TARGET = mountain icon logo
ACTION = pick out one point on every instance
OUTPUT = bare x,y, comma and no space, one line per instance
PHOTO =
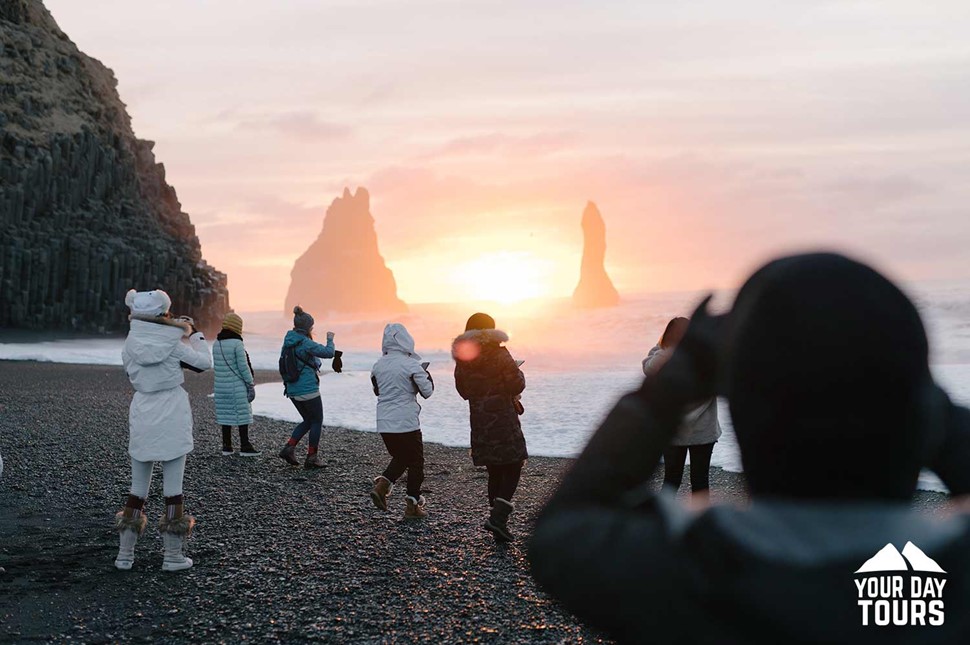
889,558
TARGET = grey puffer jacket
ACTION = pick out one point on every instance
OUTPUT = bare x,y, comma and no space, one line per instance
700,425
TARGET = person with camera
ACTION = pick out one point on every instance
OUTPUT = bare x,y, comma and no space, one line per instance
398,377
234,385
300,367
699,430
160,421
490,380
824,364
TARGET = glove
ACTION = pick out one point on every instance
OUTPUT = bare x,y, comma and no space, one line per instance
330,336
338,364
691,373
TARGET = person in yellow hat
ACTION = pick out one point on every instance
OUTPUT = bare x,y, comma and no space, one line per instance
234,386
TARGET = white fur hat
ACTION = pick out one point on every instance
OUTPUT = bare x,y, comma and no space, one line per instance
150,303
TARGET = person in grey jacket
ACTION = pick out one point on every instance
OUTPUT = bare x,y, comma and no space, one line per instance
699,430
832,451
398,378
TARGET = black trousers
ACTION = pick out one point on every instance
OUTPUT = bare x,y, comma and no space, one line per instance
407,453
503,480
700,465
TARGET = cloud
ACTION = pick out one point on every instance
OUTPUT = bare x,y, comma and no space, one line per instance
878,190
499,144
301,125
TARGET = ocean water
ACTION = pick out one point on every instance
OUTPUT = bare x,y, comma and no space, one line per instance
577,363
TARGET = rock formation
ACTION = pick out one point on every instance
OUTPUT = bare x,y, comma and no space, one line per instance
343,271
85,212
595,289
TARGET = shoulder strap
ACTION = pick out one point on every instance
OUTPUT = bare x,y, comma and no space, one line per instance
223,352
296,354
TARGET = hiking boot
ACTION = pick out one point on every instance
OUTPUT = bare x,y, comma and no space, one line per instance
175,532
227,450
382,488
498,520
129,530
415,508
288,454
247,450
314,461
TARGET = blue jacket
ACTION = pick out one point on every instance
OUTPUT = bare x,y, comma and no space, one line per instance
310,352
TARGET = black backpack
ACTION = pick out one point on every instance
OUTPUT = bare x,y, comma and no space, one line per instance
291,365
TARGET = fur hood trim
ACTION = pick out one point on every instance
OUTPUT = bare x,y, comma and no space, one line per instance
137,524
482,336
162,320
177,526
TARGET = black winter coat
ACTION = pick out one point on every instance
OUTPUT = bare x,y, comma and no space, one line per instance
644,569
488,378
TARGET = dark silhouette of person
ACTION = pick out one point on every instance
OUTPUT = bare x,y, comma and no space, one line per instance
824,363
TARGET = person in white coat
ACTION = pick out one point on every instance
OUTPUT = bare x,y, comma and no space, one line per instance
699,430
159,419
398,377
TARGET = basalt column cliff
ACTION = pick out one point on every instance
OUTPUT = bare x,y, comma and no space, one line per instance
343,271
595,289
85,212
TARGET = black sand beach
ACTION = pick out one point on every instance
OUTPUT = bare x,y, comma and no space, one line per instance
281,554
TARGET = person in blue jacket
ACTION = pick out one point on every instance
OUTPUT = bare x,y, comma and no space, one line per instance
304,390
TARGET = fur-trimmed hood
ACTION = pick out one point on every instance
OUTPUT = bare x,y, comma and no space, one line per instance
152,339
163,320
467,346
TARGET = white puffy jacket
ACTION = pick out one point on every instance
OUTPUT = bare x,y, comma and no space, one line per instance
398,378
700,425
160,418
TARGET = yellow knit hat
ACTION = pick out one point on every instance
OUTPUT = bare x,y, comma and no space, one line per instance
233,322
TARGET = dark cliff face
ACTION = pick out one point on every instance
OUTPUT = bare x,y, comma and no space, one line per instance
343,271
85,212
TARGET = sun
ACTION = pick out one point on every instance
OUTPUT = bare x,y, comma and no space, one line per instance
505,277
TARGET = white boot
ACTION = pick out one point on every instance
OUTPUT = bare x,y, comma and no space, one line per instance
129,530
174,533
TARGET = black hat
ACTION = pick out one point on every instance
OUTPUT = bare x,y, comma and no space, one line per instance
480,321
827,374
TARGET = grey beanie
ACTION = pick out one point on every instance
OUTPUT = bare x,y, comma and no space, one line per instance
301,319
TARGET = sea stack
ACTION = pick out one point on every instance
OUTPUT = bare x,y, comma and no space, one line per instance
343,271
85,211
595,289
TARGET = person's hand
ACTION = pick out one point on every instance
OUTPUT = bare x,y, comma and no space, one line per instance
330,336
190,322
690,375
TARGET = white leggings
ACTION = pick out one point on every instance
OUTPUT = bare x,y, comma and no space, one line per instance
172,473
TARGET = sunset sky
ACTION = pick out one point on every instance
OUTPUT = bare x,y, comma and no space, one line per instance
711,134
